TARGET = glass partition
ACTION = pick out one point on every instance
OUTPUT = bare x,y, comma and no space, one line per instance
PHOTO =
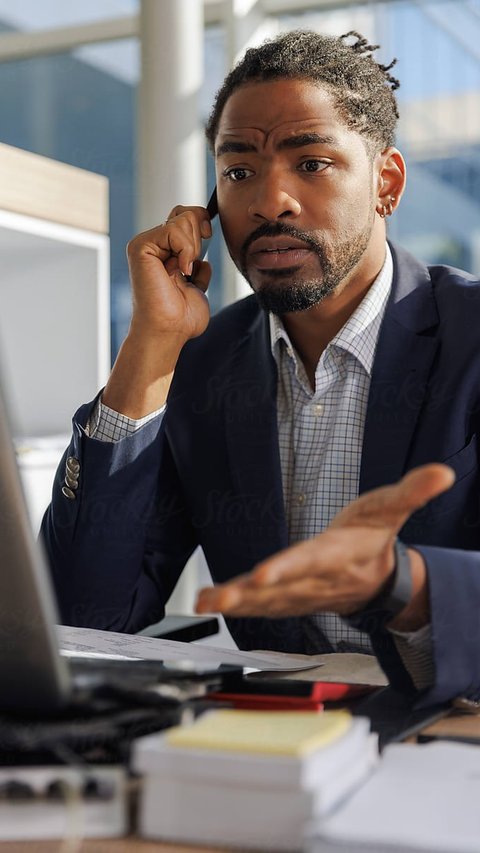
436,43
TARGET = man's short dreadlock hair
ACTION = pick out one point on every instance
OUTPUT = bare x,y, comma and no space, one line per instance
362,88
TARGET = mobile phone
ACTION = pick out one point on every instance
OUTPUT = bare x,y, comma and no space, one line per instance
212,210
212,204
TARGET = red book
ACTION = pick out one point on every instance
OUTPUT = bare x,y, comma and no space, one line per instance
285,695
252,702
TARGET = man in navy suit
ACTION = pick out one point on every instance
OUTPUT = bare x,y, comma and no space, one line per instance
351,365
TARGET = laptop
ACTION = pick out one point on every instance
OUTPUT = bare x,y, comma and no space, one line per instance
32,672
34,676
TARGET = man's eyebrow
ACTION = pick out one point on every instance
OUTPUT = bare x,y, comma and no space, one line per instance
231,147
300,140
303,139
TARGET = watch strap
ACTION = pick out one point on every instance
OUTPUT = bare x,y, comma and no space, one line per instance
394,595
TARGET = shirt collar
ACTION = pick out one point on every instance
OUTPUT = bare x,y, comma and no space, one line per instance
360,333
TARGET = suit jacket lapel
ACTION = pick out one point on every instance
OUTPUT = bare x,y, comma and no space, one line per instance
403,359
252,444
252,438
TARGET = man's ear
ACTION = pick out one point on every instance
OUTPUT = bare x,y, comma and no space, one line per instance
391,178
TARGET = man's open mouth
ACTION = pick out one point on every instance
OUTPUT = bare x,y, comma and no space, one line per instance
282,251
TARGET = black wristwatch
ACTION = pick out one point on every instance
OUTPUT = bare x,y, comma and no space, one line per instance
395,594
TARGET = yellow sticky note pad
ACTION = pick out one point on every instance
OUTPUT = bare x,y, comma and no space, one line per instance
293,733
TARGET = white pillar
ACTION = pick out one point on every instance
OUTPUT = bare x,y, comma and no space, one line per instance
171,149
247,27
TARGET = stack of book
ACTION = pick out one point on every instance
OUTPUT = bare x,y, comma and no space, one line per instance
252,779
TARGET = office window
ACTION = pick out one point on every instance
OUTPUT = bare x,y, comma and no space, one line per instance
82,113
436,44
80,108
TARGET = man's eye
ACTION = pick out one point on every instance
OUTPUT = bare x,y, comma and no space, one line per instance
313,165
237,174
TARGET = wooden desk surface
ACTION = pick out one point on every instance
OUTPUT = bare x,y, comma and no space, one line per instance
119,845
456,725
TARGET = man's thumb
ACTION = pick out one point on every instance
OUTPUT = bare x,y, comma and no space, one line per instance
390,506
423,484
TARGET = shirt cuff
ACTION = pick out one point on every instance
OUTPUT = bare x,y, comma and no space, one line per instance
416,651
105,424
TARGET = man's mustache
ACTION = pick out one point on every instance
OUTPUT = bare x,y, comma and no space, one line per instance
275,229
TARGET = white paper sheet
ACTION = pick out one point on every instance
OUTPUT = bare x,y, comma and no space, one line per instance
88,641
421,798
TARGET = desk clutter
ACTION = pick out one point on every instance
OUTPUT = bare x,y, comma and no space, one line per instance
57,802
282,775
251,779
67,776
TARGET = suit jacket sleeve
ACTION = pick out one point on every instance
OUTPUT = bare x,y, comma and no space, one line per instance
110,567
424,406
454,589
454,592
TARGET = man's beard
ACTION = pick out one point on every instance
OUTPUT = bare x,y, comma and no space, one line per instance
285,291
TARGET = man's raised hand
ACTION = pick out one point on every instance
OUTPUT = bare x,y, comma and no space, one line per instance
161,261
343,568
169,307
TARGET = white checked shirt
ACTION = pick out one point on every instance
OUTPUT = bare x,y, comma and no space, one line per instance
320,435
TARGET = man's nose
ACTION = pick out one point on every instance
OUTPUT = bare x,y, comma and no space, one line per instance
274,198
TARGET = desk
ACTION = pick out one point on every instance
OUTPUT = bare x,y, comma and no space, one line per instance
457,724
120,845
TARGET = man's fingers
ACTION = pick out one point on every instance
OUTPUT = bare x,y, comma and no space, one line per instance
423,484
390,506
201,215
218,599
413,491
324,560
234,600
184,241
201,274
293,562
223,595
178,238
291,599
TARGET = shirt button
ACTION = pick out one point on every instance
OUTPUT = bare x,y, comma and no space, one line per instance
68,493
318,409
300,499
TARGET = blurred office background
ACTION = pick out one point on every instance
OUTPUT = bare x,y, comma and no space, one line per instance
123,87
70,86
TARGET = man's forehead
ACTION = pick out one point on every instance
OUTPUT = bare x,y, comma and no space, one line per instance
279,108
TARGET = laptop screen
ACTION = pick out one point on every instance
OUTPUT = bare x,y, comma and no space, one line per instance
33,676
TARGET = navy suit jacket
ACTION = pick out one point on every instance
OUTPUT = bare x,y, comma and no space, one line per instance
208,473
